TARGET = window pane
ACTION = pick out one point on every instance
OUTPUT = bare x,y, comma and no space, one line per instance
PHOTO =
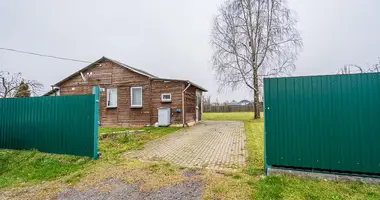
108,97
136,96
112,97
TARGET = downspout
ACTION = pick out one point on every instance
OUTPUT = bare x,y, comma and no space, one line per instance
183,105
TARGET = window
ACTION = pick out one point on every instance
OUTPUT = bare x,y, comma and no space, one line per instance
166,97
111,98
136,97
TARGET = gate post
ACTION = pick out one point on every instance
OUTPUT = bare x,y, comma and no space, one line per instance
95,91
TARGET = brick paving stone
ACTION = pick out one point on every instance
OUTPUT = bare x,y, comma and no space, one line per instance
209,144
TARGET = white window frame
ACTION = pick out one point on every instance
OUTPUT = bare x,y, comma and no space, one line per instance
136,106
166,100
109,106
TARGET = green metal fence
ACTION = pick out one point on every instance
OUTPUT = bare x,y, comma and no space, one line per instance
62,124
327,123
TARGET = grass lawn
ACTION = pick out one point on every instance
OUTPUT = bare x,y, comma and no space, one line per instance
20,168
280,186
55,173
239,116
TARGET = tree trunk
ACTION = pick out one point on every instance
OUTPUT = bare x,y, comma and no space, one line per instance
256,93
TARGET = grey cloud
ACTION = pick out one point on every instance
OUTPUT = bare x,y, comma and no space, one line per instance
170,38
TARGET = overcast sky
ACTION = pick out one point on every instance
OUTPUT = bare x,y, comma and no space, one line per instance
170,38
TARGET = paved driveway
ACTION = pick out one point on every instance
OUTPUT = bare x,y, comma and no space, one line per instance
209,144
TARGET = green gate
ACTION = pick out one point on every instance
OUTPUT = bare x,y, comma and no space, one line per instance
326,123
56,124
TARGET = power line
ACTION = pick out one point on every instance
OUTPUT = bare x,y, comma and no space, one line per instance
43,55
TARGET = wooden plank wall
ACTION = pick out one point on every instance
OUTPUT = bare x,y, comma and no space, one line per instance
190,104
111,75
175,89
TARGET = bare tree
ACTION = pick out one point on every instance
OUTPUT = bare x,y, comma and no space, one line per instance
253,39
10,83
206,100
375,67
354,68
350,68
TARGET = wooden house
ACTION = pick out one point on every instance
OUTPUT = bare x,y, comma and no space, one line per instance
130,96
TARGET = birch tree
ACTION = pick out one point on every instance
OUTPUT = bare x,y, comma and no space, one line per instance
253,39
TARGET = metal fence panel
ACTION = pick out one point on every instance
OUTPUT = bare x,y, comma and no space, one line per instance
62,124
323,122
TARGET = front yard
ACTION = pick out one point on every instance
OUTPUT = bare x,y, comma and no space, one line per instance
35,175
20,169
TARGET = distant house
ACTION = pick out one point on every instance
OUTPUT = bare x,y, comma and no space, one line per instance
240,103
233,103
130,96
244,102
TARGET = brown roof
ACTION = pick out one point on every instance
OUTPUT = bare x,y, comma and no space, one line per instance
139,71
102,59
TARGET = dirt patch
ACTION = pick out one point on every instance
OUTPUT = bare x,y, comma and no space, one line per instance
114,134
185,190
191,173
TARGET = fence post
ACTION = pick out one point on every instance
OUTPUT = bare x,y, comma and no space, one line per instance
266,166
95,91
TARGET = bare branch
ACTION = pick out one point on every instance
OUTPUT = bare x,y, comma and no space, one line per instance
354,68
375,67
350,68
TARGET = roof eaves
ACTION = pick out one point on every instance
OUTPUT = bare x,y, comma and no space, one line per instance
192,83
144,73
198,86
77,72
50,92
139,71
